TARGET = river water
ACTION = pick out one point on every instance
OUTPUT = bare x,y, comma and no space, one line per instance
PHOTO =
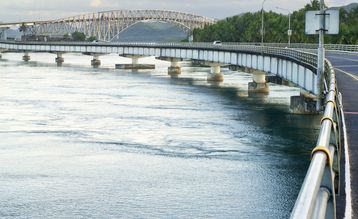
78,142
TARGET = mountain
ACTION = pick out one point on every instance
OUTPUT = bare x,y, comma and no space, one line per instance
348,8
13,33
152,32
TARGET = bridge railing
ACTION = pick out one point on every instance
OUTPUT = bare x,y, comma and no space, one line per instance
321,184
307,58
333,47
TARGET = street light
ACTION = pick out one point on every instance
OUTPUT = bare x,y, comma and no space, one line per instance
262,22
289,32
321,54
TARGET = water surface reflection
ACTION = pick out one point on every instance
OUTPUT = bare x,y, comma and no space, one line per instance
103,143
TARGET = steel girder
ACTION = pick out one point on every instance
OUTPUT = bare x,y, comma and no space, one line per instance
106,26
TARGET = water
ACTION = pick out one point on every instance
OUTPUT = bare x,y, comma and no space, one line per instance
78,142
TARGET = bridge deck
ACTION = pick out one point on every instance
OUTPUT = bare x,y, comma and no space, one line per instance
347,76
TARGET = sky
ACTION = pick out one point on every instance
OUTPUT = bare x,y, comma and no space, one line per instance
34,10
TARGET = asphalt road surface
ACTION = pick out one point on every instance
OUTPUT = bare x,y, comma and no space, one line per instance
346,67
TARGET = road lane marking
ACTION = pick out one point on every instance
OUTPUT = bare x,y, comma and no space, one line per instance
353,60
347,66
351,113
348,179
347,73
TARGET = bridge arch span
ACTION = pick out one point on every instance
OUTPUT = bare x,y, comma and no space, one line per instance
184,28
107,25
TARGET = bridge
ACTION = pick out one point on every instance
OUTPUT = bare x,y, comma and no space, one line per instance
106,26
292,65
322,189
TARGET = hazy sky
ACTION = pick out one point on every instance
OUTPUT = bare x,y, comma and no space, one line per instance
20,10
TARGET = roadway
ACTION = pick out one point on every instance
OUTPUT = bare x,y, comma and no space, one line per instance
346,66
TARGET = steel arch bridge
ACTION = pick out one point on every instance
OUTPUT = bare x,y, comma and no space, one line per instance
106,26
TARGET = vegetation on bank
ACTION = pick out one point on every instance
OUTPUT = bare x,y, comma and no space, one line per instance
79,36
247,28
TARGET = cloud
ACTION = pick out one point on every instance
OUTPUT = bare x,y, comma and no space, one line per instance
96,3
24,10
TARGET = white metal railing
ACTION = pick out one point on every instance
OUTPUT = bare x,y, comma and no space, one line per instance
332,47
321,185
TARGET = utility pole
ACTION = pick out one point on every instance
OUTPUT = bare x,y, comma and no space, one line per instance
289,32
321,55
262,23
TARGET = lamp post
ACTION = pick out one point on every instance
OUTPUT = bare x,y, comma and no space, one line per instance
320,55
289,32
262,23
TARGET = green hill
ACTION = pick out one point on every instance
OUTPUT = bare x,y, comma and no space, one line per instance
152,32
348,8
246,27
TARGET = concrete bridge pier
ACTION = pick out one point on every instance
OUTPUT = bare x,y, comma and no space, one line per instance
95,62
135,63
303,104
215,73
26,57
59,59
174,69
259,84
135,60
1,51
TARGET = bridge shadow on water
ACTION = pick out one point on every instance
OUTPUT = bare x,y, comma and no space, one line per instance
274,119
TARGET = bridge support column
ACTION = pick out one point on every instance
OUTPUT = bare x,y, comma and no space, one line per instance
135,64
95,62
59,59
174,69
303,104
135,60
259,84
26,57
215,73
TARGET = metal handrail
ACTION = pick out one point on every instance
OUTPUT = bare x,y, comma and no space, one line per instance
332,47
317,195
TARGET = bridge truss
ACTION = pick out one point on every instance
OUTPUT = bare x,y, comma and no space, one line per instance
106,26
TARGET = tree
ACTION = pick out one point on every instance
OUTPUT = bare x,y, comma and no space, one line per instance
66,37
91,39
23,28
246,28
78,36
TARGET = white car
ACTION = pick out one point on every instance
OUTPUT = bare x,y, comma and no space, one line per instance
217,43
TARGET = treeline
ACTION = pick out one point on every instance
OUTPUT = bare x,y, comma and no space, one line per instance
247,28
79,36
